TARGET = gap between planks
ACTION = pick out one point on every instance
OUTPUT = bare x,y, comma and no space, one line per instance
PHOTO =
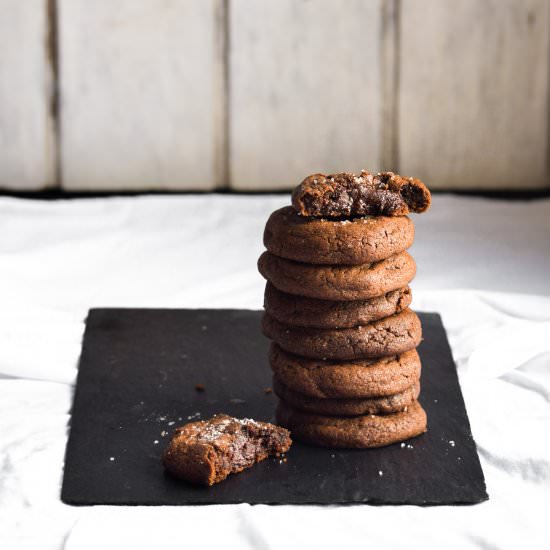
389,69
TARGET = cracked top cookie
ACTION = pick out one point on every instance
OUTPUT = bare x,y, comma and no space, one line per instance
366,194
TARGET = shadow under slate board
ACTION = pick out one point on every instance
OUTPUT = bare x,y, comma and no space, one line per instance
136,383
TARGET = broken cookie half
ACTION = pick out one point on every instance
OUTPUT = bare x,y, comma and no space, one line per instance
366,194
207,451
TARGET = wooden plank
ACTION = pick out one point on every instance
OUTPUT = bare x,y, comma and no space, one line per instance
473,102
141,87
305,94
27,136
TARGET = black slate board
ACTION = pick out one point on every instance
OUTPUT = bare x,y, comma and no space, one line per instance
136,382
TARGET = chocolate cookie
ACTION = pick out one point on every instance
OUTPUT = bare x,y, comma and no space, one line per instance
389,336
350,379
340,283
319,241
207,451
348,407
338,195
355,432
311,312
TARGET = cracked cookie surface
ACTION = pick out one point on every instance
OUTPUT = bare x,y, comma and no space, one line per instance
339,283
353,432
389,336
312,312
386,404
343,242
207,451
346,194
359,378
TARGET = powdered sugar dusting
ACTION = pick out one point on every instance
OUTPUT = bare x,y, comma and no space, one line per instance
211,431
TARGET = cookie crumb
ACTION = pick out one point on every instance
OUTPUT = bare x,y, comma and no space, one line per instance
200,388
267,391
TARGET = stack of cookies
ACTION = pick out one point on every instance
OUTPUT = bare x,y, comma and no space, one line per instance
344,340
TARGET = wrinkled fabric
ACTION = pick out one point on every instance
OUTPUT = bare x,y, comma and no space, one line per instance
483,264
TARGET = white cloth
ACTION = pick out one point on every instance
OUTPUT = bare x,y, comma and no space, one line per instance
484,265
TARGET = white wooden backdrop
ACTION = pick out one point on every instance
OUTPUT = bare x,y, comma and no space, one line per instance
255,94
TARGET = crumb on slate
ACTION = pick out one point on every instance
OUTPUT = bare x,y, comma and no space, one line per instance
200,387
267,391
